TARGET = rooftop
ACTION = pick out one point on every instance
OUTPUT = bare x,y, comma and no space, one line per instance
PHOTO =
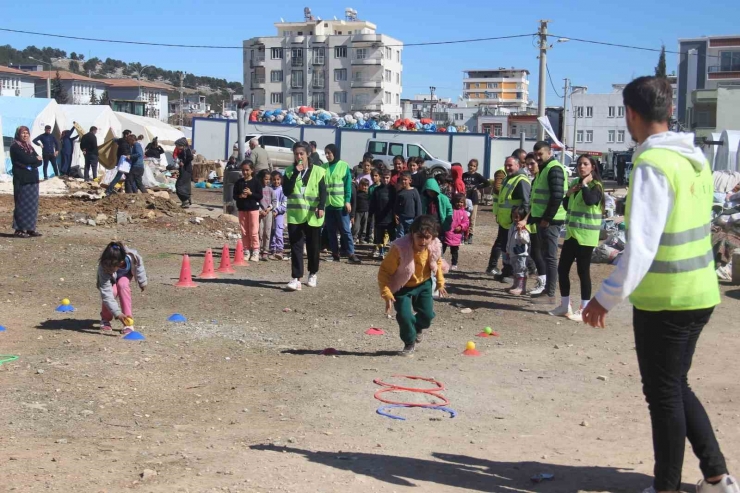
704,38
136,83
63,75
501,69
10,70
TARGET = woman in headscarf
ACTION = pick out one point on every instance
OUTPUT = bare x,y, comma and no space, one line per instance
25,184
185,176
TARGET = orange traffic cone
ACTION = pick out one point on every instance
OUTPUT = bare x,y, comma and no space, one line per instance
239,260
186,279
225,266
208,272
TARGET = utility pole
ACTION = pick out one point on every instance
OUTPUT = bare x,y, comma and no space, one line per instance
543,69
431,107
565,119
182,76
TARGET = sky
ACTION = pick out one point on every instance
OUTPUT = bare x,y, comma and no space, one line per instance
229,22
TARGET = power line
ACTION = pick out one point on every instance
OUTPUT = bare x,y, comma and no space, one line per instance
618,45
551,82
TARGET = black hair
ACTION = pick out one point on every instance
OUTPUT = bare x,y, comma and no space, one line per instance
276,173
113,255
420,161
517,153
334,151
305,145
126,132
248,162
261,175
406,174
313,143
650,97
368,156
378,163
520,211
364,181
458,197
539,145
47,127
597,176
94,128
425,224
471,162
530,155
398,156
386,172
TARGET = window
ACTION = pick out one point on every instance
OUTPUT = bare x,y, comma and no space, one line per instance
579,136
340,74
612,111
589,111
318,100
398,100
621,111
620,136
387,97
416,151
398,56
611,135
388,76
296,79
297,98
398,78
296,57
276,98
579,111
286,142
493,85
589,135
396,150
319,78
498,129
318,56
729,61
340,97
276,76
288,33
300,33
388,53
513,130
340,52
276,53
361,53
270,140
377,147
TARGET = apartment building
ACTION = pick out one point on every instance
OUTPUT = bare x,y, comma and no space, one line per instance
499,88
422,105
600,125
79,88
17,83
338,65
139,97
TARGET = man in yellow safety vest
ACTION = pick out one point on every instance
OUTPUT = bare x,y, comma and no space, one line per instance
667,270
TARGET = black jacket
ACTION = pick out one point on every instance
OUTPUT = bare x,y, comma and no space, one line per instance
382,202
22,161
473,183
555,182
89,144
124,149
252,203
408,204
152,151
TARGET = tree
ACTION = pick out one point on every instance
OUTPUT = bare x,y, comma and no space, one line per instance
94,98
660,68
74,66
91,65
105,98
73,55
57,90
80,57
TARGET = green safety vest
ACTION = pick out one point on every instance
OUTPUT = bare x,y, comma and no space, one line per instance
541,192
506,203
584,221
682,275
304,200
335,183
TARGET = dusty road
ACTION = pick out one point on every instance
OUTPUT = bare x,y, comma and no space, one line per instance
238,398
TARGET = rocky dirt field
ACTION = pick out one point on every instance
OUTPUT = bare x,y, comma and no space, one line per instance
239,399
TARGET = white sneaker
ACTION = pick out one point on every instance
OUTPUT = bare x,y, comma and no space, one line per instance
494,272
312,280
454,267
727,485
562,311
435,294
538,289
576,317
255,256
294,285
724,273
545,300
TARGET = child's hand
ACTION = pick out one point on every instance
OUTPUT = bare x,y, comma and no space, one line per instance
389,306
122,318
274,213
442,293
458,229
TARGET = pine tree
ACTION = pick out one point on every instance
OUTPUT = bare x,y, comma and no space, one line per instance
104,98
57,90
660,70
94,98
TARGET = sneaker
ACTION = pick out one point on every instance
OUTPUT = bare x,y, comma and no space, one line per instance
454,267
419,336
105,326
376,254
127,331
562,311
545,300
354,259
255,257
312,280
408,350
724,273
728,484
494,272
539,288
577,316
278,256
294,285
263,257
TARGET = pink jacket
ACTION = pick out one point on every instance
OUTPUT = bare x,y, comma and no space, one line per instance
406,267
459,218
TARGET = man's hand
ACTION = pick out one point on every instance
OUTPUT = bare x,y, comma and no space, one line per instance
544,224
594,314
122,318
389,306
348,207
521,225
263,213
442,292
319,213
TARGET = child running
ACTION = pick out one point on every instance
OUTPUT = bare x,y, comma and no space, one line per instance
458,229
248,194
405,280
276,242
267,205
382,203
517,251
116,267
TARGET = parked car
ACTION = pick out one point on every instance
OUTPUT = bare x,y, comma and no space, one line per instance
386,150
279,148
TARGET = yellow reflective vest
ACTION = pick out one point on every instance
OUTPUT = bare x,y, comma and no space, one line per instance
304,201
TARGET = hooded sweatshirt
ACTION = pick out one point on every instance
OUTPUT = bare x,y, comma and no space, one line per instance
458,185
652,202
444,207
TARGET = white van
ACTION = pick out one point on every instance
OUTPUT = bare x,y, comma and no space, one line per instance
386,150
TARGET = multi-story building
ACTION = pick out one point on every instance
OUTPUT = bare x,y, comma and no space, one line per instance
79,88
709,63
139,97
423,105
523,124
337,65
14,82
600,125
501,88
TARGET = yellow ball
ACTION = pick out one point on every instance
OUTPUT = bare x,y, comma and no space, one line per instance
128,322
65,302
488,330
470,346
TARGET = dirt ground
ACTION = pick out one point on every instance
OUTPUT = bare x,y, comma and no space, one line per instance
238,399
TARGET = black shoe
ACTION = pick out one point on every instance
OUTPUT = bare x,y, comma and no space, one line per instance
470,240
408,350
354,259
419,336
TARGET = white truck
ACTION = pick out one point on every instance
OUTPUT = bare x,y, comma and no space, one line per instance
386,150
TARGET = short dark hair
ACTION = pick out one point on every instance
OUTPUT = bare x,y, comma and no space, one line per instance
247,162
365,182
368,156
276,173
398,156
425,224
650,97
126,132
378,163
406,174
530,155
47,127
140,137
313,143
519,210
93,128
517,153
539,145
386,172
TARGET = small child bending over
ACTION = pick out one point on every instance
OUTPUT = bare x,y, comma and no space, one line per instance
405,279
517,249
117,266
458,230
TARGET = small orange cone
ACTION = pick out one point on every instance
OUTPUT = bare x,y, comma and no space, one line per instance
208,272
239,255
225,265
470,349
186,279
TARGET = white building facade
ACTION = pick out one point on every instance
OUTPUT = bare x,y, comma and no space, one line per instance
337,65
17,83
600,125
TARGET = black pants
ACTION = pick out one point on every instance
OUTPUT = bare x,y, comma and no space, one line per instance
370,228
66,163
665,343
498,248
134,180
454,251
573,251
359,228
91,163
381,230
300,235
50,158
548,243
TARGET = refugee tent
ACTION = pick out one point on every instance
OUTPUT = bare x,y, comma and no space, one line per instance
34,113
86,116
149,128
727,154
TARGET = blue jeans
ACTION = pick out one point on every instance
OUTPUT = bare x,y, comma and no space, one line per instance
112,185
404,227
338,220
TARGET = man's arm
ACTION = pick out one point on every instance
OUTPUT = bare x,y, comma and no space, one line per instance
37,141
523,191
348,187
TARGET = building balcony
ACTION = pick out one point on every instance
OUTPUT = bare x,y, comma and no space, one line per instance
727,71
318,83
367,82
318,60
360,106
296,62
375,58
367,38
257,61
257,81
704,96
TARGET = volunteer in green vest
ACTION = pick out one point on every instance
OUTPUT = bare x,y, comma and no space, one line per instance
515,191
584,202
339,205
305,188
667,270
547,212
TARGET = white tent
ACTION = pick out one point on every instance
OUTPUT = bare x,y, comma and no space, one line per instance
727,154
100,116
34,113
149,128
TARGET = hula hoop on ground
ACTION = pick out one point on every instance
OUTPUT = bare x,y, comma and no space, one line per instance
6,358
382,410
440,385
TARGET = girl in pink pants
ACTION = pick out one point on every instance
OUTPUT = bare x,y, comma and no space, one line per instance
116,268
